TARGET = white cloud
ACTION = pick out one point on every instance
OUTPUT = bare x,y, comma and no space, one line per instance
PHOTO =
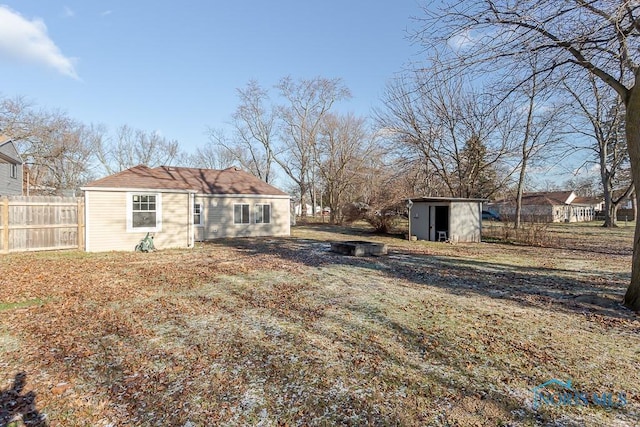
106,13
461,40
68,12
28,41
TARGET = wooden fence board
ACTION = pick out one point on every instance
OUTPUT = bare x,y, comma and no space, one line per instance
41,223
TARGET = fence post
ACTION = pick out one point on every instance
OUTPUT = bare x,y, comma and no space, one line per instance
80,220
5,224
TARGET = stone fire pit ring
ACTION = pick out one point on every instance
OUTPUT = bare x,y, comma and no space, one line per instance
359,248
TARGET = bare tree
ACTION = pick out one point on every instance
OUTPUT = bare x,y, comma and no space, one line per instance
307,102
253,124
210,157
235,152
538,126
132,147
345,150
604,114
454,133
55,148
599,36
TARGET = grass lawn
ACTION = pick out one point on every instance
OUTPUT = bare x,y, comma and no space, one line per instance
283,332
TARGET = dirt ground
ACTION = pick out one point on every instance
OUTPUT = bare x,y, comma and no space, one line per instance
285,332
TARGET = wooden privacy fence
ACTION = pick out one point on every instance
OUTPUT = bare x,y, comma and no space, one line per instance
40,223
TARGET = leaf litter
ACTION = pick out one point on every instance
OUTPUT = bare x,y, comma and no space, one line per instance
284,332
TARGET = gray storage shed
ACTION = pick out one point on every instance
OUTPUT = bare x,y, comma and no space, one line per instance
446,218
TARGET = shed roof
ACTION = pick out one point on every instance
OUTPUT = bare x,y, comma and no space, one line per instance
445,199
202,181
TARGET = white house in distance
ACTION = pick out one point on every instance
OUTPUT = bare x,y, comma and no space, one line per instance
550,206
179,206
10,168
446,218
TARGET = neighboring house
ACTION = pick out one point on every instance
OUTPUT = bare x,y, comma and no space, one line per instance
179,206
446,218
298,209
10,168
548,206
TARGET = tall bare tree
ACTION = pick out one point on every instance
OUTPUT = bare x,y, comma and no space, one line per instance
131,147
253,130
604,114
210,157
454,133
306,103
599,36
345,150
55,148
537,124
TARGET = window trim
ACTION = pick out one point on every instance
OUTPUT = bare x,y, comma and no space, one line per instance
13,171
242,222
200,205
261,207
130,227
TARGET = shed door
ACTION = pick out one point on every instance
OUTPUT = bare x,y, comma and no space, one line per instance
441,220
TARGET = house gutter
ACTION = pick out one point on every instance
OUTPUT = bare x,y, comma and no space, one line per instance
137,189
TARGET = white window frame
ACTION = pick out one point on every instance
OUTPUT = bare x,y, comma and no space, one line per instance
199,206
13,171
130,227
242,222
260,207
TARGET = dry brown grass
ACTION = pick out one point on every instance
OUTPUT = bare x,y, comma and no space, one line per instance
283,332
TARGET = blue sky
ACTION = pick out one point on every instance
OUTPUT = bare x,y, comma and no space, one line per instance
173,67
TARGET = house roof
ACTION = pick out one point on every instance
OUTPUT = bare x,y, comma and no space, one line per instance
202,181
8,151
550,198
587,201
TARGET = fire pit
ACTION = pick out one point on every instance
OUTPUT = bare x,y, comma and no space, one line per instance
359,248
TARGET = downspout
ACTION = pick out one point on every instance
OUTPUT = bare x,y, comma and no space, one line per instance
190,229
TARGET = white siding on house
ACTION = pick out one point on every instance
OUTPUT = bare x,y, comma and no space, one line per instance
218,214
10,185
106,222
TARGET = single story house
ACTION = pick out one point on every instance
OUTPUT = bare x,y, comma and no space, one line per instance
446,218
179,206
548,206
11,165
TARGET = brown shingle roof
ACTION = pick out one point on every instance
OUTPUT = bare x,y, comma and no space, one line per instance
203,181
587,201
546,197
551,198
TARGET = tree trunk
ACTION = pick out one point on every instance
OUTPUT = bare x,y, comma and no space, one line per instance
632,122
607,187
520,191
610,212
303,200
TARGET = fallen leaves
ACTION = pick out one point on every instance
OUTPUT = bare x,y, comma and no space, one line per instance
280,331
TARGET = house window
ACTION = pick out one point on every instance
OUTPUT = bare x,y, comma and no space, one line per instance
240,214
263,214
144,212
13,172
197,214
